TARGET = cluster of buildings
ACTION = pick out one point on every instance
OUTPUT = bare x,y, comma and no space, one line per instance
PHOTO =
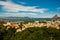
22,26
43,23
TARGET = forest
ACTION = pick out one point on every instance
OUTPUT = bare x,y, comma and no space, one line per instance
32,33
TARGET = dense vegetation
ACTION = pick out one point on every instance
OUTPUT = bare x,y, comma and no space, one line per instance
34,33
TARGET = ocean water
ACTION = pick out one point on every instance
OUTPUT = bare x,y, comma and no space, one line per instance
14,19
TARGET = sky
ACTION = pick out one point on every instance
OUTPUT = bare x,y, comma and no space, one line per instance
30,8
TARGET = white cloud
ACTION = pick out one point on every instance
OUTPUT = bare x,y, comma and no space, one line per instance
20,14
12,7
58,8
22,2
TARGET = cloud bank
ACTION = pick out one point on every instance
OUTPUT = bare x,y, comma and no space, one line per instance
12,7
58,8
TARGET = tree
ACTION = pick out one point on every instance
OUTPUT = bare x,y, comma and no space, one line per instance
10,33
34,33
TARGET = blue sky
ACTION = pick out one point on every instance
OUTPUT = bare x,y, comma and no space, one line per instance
30,8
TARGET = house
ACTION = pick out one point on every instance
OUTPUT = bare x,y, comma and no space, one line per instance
13,25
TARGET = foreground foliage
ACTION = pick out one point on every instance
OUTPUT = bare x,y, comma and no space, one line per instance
34,33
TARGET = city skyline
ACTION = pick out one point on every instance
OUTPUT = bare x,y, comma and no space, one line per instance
30,8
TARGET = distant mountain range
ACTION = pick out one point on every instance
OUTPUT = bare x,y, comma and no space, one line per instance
14,19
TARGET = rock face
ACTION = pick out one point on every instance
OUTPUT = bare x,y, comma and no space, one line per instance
55,18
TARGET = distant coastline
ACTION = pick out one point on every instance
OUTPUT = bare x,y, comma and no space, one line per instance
16,19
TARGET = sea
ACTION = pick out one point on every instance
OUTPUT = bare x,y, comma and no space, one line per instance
14,19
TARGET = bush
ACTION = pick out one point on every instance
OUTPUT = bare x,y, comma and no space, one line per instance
33,33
